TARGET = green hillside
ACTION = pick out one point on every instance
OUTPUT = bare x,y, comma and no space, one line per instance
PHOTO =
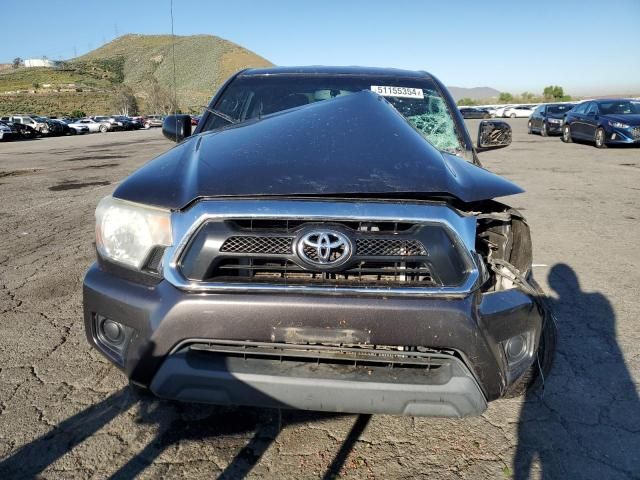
89,82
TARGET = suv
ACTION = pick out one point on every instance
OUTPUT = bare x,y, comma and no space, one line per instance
153,121
39,124
334,245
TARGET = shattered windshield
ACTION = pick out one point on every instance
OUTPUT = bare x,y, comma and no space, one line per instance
418,100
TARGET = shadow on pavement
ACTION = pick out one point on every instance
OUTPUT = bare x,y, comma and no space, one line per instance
586,422
175,422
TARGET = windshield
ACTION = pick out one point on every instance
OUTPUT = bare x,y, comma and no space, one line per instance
559,108
418,100
619,107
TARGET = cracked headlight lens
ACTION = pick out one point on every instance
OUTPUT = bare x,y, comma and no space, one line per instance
127,232
618,124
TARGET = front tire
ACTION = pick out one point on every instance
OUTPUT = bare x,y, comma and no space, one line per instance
543,131
600,138
103,129
566,134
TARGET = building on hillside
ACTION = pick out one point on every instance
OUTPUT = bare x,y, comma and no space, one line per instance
38,62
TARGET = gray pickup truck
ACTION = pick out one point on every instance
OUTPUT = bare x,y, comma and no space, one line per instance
325,239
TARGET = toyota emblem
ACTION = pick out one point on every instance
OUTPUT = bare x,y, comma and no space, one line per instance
324,248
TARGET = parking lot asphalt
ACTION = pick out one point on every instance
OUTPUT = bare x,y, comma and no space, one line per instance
67,413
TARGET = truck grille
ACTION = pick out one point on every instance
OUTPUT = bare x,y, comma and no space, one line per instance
283,246
285,271
273,251
252,244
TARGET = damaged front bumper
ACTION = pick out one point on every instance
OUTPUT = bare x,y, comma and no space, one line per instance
194,346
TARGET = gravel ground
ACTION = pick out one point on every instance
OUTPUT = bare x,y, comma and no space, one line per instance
66,413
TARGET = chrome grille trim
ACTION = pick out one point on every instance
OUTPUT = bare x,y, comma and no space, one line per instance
186,223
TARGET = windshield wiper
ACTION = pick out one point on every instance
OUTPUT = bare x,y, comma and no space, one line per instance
221,115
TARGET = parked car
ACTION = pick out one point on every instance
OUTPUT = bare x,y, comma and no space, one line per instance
54,127
38,124
153,121
218,282
95,125
604,122
472,112
499,111
548,119
519,111
113,123
25,132
8,132
75,128
127,123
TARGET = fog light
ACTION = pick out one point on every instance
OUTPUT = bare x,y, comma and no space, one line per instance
613,136
516,348
112,332
112,337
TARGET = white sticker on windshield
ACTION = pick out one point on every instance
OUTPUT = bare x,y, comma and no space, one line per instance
404,92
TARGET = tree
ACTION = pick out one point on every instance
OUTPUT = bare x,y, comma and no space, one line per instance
160,99
466,101
17,62
505,97
527,96
35,85
125,102
77,114
553,92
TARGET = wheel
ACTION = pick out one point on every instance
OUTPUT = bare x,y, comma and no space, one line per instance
543,131
103,129
600,138
529,129
566,134
513,115
73,131
486,115
536,374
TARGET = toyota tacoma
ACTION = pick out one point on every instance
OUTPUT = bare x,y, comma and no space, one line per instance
325,239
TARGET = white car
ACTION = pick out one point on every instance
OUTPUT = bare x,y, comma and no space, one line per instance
523,111
498,112
94,126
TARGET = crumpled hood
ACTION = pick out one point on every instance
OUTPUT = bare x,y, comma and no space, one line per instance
631,119
355,144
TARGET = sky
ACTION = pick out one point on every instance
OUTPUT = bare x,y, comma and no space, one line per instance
587,47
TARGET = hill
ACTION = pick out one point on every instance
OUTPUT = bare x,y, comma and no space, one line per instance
140,62
475,93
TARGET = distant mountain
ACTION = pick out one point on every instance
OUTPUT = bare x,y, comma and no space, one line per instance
89,82
202,63
475,93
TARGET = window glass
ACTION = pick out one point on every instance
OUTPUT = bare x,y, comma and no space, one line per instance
593,109
253,97
582,108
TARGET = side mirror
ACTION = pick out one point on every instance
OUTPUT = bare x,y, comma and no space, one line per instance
176,127
493,134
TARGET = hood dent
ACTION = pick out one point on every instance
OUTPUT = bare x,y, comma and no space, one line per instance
356,144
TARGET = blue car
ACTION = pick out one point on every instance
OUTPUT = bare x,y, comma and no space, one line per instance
604,122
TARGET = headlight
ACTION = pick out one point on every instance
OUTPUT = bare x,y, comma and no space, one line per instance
126,232
554,120
618,124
